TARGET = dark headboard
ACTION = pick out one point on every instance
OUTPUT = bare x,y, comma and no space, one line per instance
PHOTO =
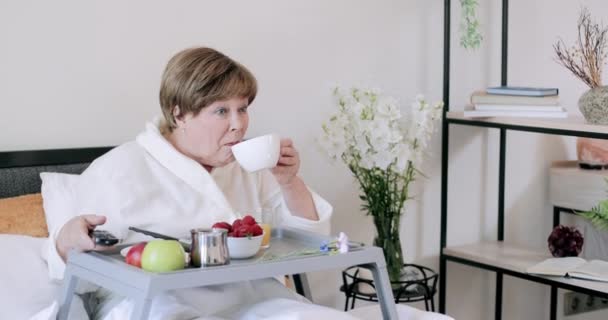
20,170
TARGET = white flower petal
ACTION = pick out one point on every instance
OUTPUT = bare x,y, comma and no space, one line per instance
370,130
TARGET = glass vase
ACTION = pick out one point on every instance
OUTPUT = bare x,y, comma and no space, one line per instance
391,246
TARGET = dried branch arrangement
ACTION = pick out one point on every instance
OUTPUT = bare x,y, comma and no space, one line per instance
587,57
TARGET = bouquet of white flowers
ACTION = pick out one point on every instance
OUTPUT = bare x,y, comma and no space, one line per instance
382,148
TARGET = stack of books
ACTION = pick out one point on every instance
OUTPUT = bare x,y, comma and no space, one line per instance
516,102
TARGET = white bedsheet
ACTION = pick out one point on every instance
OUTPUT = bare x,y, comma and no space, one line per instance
273,309
25,287
283,309
404,312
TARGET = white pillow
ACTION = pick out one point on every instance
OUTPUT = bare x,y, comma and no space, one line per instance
58,198
25,286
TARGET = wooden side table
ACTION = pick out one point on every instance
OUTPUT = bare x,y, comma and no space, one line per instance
419,283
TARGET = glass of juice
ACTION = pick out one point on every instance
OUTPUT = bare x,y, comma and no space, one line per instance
268,220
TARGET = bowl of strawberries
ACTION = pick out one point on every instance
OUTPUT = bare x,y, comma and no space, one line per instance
244,237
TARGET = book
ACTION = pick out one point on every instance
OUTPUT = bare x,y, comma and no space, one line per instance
523,91
573,267
517,107
515,114
481,97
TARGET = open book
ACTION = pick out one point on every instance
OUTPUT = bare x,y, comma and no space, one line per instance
574,267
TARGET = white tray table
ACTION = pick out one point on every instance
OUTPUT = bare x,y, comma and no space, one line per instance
108,269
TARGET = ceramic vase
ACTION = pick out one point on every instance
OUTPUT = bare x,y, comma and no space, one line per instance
592,153
594,105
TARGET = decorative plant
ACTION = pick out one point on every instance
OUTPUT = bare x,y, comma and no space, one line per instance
470,36
598,215
587,57
383,149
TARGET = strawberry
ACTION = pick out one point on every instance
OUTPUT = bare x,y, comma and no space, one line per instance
256,230
236,224
249,220
222,225
244,231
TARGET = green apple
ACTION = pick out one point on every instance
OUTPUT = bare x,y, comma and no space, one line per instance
163,256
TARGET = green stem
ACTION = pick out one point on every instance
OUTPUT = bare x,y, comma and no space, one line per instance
384,193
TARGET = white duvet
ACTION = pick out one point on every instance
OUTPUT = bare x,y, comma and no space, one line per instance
275,309
285,309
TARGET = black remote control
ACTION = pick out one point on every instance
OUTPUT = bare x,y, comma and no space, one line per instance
103,238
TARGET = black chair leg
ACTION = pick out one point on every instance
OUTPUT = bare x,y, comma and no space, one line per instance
346,303
432,304
352,305
426,304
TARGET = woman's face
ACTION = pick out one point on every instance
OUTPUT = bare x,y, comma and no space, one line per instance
208,136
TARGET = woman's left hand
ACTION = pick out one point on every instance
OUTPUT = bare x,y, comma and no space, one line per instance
288,165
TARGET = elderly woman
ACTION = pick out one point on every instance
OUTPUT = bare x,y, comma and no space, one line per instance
180,173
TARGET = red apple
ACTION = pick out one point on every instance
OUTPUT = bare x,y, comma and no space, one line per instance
134,255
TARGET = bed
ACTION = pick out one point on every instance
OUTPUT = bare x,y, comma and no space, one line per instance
26,288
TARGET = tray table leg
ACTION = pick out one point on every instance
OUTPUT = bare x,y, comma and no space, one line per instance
142,309
67,293
301,283
384,291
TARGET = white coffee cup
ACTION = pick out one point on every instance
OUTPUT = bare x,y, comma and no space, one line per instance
258,153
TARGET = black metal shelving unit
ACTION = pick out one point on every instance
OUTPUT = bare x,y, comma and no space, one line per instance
503,127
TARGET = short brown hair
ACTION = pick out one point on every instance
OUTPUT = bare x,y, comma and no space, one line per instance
196,77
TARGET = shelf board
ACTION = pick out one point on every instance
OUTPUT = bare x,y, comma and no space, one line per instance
571,126
514,260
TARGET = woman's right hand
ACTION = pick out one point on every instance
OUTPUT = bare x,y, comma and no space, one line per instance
75,234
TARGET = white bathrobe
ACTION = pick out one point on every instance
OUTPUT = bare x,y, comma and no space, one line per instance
148,184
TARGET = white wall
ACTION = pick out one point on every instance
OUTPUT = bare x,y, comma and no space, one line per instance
76,74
